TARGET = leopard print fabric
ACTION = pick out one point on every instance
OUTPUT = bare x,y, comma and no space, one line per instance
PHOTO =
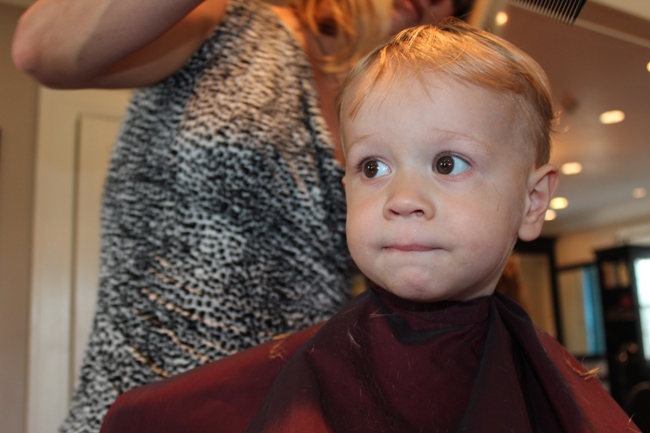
223,215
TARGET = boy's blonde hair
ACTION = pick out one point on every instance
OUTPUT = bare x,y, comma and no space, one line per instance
457,51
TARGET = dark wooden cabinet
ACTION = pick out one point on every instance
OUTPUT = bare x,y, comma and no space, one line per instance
625,315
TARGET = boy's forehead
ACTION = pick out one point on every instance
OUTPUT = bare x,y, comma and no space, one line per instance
368,96
369,90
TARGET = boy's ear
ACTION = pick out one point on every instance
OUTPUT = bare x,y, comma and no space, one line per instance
542,183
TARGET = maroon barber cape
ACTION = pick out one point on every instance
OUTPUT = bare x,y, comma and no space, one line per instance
383,364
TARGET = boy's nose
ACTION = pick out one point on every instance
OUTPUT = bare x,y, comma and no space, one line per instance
407,198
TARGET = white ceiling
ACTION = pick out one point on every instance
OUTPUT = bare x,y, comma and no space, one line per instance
640,8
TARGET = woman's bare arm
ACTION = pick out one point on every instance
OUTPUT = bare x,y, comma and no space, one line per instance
111,43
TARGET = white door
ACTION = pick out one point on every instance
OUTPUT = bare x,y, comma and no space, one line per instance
76,131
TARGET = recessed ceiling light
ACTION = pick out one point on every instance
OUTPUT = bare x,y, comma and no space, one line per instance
639,192
613,116
501,18
648,66
570,168
559,203
550,215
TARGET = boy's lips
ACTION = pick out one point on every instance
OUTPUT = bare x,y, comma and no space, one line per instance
411,247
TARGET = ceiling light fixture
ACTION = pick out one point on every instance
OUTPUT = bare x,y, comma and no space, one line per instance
648,66
501,18
610,117
550,215
639,192
559,203
570,168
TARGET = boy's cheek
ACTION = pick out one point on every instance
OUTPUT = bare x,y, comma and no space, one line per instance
354,195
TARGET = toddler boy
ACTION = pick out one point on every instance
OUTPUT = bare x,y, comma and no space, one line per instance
446,132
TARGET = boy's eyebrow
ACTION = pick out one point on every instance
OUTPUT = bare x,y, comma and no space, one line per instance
445,134
361,139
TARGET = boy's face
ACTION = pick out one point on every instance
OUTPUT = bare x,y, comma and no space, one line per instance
437,189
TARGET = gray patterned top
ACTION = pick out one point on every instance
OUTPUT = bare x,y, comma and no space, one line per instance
223,215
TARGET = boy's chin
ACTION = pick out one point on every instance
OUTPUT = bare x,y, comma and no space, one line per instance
419,293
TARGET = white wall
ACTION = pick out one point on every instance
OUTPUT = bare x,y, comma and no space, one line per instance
578,247
18,99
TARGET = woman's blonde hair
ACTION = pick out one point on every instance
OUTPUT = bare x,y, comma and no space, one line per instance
356,25
457,51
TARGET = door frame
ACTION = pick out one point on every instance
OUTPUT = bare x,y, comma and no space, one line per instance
50,375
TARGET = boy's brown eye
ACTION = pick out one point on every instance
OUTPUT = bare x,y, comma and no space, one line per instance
450,164
370,168
445,164
373,168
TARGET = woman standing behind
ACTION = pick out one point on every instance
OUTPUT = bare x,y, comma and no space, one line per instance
223,211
